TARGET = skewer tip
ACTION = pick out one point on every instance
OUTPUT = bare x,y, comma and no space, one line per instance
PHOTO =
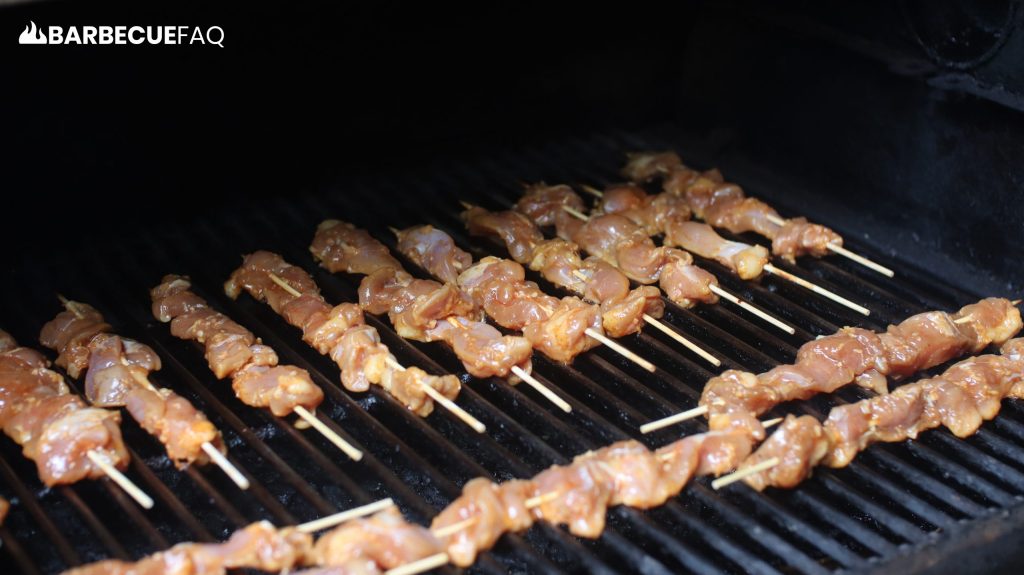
541,388
229,469
121,479
339,442
575,213
395,230
466,205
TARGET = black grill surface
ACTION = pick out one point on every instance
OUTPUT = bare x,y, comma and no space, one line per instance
938,503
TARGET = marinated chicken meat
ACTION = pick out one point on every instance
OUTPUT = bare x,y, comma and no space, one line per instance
434,251
799,443
357,349
414,306
646,166
340,246
623,244
652,212
258,546
55,429
744,260
554,327
5,508
384,538
544,205
233,351
725,205
419,309
519,234
961,399
490,353
499,288
497,508
735,399
622,310
117,374
69,333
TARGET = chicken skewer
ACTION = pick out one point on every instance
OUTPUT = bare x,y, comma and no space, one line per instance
116,373
961,399
68,440
259,546
235,352
578,494
601,232
734,399
624,311
561,329
425,310
630,248
725,205
342,333
625,473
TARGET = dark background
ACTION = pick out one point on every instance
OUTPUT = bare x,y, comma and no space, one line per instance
900,120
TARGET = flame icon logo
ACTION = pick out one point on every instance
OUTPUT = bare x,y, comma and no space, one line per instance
32,35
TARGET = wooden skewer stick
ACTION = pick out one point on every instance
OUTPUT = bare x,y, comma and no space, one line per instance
229,469
215,455
529,379
770,268
421,566
838,249
767,424
219,460
575,213
349,449
339,518
121,480
541,499
660,326
284,285
71,306
657,324
541,388
448,404
454,528
1016,302
746,472
673,419
752,309
592,190
964,319
433,393
620,349
690,414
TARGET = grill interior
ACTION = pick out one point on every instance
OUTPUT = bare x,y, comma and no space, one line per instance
902,507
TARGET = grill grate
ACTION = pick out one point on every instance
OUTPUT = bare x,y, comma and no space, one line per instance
887,511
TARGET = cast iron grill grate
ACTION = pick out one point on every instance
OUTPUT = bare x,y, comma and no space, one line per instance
891,507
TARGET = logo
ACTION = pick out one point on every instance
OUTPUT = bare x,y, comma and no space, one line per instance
32,35
122,35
